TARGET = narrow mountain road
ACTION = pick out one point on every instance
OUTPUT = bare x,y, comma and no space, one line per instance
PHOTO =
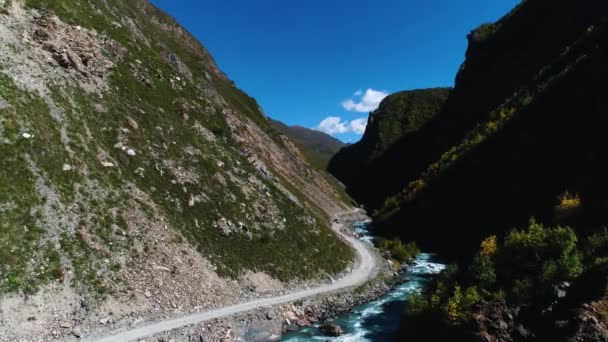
365,269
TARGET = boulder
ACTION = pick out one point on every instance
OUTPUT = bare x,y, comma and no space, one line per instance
224,227
4,104
331,329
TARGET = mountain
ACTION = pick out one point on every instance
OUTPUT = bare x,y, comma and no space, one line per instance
507,181
521,128
136,178
318,147
398,116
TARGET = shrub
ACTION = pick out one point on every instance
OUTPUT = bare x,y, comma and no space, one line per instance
471,298
596,245
568,205
453,308
396,249
541,256
483,272
416,304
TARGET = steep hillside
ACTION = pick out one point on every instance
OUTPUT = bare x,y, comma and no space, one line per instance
318,147
398,116
508,181
532,133
136,179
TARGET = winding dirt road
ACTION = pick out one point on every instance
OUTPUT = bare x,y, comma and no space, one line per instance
366,268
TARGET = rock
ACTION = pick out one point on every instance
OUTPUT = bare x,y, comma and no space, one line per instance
521,331
485,337
132,123
107,164
67,167
104,320
224,227
4,104
218,178
76,332
26,135
66,324
503,325
266,331
302,323
131,152
331,329
147,294
290,315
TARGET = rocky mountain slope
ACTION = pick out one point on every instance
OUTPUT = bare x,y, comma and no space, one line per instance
136,180
318,147
371,168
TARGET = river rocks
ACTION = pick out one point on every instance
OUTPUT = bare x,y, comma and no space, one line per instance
290,315
302,322
267,331
331,329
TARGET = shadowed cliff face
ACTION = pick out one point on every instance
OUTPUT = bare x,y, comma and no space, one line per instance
521,127
398,116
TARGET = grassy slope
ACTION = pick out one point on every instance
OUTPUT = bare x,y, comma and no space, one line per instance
301,250
318,147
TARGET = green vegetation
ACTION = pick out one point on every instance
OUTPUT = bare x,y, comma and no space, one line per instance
401,114
484,32
317,147
54,221
524,268
395,249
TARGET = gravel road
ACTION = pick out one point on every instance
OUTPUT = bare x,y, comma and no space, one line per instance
365,269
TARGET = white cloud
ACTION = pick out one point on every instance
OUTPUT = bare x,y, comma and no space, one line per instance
358,125
335,125
364,101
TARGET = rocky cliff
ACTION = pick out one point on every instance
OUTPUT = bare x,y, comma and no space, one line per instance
521,128
371,169
136,180
519,144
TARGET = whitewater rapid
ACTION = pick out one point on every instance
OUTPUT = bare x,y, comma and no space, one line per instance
378,320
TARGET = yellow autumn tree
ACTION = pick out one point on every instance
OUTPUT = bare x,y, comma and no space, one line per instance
488,246
568,204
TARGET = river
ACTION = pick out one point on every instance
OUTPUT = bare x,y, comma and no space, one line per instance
378,320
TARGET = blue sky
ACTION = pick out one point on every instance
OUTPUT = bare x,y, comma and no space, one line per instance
312,62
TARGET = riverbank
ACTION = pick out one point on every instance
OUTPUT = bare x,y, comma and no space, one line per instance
378,320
